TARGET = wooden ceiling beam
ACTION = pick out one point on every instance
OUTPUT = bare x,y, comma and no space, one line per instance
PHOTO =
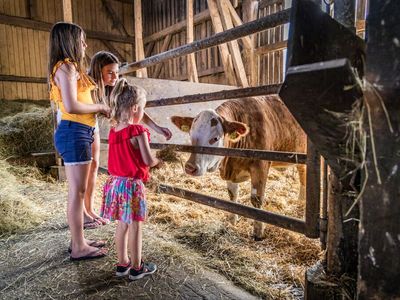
44,26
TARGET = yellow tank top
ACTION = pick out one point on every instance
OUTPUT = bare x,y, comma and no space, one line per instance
85,86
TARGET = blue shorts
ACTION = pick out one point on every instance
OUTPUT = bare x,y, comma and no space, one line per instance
73,142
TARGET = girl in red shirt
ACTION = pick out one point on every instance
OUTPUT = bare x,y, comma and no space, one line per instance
129,159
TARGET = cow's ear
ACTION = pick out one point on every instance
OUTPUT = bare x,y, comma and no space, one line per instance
183,123
235,130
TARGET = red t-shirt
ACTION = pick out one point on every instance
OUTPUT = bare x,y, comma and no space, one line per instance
123,159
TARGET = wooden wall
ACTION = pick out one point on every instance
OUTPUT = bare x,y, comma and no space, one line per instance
23,50
110,26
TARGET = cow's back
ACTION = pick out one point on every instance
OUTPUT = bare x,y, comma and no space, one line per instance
272,127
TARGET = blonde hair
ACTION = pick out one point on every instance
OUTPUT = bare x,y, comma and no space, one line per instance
98,62
65,42
123,97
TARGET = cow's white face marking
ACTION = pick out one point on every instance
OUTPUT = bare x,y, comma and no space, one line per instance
206,131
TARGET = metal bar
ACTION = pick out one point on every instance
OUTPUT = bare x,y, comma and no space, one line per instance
281,221
289,157
270,21
225,94
313,189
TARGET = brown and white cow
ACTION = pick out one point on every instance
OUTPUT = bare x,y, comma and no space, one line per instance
262,123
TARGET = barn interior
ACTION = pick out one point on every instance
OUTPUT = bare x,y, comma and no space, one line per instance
334,64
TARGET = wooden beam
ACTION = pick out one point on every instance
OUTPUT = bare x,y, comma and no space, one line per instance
178,27
191,60
214,96
44,26
114,50
223,48
31,8
67,10
116,21
249,11
149,48
164,48
271,48
265,3
13,78
233,45
247,42
270,21
139,50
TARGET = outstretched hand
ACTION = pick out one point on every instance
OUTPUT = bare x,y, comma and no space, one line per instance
166,133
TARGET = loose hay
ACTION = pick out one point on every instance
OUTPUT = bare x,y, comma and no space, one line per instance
273,268
18,211
26,131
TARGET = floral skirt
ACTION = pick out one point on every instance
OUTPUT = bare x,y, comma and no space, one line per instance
123,200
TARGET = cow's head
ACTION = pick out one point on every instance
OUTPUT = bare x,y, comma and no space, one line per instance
208,129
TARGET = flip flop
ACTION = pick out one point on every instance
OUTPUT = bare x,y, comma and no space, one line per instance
91,224
97,244
100,253
102,220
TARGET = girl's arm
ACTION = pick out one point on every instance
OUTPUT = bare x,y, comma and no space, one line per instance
66,79
153,125
144,148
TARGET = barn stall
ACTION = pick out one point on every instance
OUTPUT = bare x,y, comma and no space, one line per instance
256,62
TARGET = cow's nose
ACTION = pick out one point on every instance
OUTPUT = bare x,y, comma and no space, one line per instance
190,169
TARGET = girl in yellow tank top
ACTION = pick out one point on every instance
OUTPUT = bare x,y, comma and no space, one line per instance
70,89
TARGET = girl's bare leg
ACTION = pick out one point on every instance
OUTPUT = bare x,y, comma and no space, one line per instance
89,213
135,243
121,242
77,178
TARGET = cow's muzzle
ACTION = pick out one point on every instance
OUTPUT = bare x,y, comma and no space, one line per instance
191,169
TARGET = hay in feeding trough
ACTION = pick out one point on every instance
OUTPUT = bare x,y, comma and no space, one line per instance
168,154
273,268
26,131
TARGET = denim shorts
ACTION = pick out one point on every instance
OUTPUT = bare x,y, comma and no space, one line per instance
73,142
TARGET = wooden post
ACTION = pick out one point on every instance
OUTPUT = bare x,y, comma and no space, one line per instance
139,50
191,60
223,48
233,45
164,48
379,238
67,10
249,8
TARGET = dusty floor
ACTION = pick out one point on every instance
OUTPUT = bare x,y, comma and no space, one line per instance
198,254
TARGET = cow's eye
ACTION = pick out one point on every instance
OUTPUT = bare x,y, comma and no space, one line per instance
213,140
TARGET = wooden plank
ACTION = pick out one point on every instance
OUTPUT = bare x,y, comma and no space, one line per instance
45,26
139,51
15,78
164,48
191,61
217,39
266,3
247,42
223,48
249,9
67,10
233,46
178,27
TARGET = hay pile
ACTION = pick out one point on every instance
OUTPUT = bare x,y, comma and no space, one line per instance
273,268
18,210
24,128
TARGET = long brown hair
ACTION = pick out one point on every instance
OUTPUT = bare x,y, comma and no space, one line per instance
100,60
123,97
65,42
